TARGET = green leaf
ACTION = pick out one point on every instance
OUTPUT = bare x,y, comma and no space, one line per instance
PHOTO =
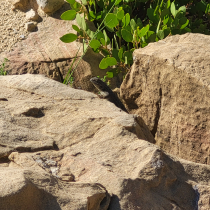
160,34
69,15
139,23
167,6
81,22
106,38
111,20
110,74
76,28
90,33
183,22
120,15
68,38
71,1
150,13
106,62
182,8
127,35
126,19
95,44
165,13
111,61
102,41
151,36
143,31
115,54
76,6
133,24
173,9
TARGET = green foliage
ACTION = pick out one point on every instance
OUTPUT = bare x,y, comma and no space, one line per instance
2,66
130,24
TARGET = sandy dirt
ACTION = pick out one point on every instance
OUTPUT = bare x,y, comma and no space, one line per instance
12,26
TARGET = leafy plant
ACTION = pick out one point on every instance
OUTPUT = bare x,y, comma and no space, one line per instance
2,66
126,25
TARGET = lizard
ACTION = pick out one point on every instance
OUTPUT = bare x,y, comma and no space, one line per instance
107,93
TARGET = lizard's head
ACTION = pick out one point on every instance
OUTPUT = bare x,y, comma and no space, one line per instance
97,83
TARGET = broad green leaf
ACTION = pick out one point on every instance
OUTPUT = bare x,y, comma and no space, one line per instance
90,33
160,34
175,22
76,6
151,14
166,31
151,36
120,15
127,35
111,20
167,6
173,9
81,22
76,28
103,64
102,41
100,35
71,1
165,20
111,61
110,74
68,38
115,54
183,22
95,44
106,38
126,19
108,61
143,31
183,9
69,15
133,24
165,13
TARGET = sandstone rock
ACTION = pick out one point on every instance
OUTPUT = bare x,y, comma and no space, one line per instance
168,87
92,142
26,189
20,4
32,15
50,6
30,26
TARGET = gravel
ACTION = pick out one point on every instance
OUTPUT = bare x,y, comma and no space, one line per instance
12,26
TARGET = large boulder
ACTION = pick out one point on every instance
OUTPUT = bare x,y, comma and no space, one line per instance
64,148
168,86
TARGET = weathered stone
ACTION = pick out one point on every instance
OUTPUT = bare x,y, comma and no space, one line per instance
50,6
30,26
93,142
168,87
32,15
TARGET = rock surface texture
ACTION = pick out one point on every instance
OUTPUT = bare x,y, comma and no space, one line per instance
62,148
169,87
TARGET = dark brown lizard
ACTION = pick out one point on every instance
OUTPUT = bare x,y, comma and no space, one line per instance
107,93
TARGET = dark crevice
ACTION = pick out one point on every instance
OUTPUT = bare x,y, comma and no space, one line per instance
157,115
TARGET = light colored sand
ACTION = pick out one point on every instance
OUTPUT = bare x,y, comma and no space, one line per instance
12,26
